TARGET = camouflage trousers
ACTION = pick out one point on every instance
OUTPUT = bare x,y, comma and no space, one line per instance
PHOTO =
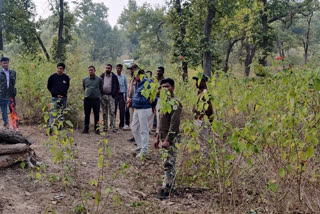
169,166
108,108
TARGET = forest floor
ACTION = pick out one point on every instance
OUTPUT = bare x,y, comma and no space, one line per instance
136,190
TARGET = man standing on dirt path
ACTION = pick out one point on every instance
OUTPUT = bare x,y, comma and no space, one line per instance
58,85
200,114
169,136
159,78
92,86
143,109
121,96
109,93
130,93
8,89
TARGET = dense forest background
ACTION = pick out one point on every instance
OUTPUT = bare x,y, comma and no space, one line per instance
213,35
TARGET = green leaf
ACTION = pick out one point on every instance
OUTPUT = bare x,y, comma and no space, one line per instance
309,152
68,122
282,172
317,84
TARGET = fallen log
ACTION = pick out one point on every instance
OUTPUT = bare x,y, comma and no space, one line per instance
6,149
9,136
8,160
14,147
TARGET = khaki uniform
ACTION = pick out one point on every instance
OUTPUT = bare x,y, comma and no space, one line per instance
169,131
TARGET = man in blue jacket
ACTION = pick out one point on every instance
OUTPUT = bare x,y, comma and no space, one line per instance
143,109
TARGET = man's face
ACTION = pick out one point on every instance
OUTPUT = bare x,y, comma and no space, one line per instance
119,69
108,69
60,70
159,73
5,65
168,87
91,71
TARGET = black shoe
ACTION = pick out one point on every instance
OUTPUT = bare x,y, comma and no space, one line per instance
163,194
131,140
85,131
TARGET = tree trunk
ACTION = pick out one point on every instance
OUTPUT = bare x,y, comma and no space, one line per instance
59,50
43,47
207,55
265,36
307,39
182,45
229,50
250,51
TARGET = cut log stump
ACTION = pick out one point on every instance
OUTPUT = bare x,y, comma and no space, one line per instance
14,147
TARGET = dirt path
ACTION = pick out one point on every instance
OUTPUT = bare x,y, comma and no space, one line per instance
136,190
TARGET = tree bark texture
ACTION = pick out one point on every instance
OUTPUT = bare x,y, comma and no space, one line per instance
8,160
207,55
250,51
6,149
8,136
59,50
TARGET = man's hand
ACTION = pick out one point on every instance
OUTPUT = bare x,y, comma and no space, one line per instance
59,96
153,110
156,143
165,144
129,103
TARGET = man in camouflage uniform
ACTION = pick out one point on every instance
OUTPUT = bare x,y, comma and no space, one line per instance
168,135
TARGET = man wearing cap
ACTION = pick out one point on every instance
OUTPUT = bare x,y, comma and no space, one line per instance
201,113
8,89
143,109
109,93
169,136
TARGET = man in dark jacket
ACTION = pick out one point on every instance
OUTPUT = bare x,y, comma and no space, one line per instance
58,85
7,88
143,109
110,90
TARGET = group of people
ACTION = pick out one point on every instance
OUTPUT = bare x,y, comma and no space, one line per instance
112,92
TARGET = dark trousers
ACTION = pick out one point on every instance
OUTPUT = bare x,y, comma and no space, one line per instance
88,105
127,114
120,101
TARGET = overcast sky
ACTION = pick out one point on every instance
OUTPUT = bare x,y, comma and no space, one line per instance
115,7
